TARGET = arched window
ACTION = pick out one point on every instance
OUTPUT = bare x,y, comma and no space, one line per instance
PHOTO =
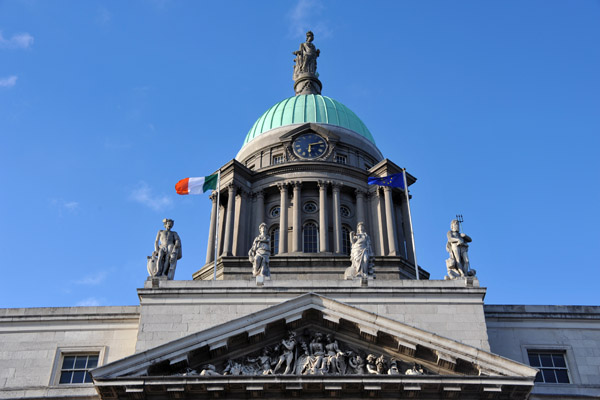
310,238
346,245
274,234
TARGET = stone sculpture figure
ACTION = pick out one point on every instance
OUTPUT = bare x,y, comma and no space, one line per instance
306,57
357,363
335,357
263,361
287,354
416,369
371,367
458,264
393,368
209,370
167,250
259,254
361,254
317,353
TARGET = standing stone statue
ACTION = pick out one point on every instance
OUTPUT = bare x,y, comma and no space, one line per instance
167,250
305,70
259,255
361,255
458,264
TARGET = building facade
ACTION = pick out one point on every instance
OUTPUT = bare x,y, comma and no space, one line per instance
314,322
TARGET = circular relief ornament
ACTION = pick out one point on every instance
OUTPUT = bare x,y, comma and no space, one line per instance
275,212
309,146
310,207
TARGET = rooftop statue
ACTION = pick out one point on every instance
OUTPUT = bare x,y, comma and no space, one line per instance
361,255
259,255
305,70
167,250
458,264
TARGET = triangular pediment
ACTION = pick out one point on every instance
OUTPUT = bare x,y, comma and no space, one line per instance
325,339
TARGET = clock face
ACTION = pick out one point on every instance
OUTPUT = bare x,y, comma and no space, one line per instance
309,145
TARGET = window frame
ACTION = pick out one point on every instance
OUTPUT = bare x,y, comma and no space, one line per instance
316,236
278,159
565,350
274,233
62,352
340,159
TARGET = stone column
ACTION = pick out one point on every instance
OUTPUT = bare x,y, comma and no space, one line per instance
239,227
360,206
410,251
390,221
210,248
297,217
229,221
259,210
337,218
283,220
323,220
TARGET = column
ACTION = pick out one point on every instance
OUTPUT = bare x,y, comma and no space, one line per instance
259,210
389,220
410,251
360,206
297,217
283,220
323,220
210,248
337,218
229,221
380,208
239,227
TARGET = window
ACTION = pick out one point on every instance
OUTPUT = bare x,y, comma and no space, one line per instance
310,237
274,240
75,368
278,159
310,207
274,213
346,245
345,211
552,366
340,159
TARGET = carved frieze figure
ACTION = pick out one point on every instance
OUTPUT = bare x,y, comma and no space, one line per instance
371,366
361,254
287,347
318,356
306,57
357,363
304,360
209,370
167,250
393,368
458,263
260,252
233,368
264,362
335,357
416,369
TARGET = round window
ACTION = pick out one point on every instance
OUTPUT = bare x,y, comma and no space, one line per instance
345,211
310,207
274,212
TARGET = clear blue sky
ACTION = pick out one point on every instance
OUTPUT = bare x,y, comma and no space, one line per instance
494,106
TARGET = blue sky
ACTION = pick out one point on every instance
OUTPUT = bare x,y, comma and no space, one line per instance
104,105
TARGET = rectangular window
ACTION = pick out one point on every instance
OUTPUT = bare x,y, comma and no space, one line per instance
278,159
340,159
75,368
552,366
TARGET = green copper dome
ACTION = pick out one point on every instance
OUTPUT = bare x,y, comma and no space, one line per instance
308,108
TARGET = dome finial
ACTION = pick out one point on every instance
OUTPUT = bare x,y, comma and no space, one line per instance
305,71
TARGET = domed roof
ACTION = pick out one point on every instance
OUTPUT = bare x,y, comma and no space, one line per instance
308,108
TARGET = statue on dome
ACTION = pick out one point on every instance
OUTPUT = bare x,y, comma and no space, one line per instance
306,57
167,250
361,255
458,264
259,255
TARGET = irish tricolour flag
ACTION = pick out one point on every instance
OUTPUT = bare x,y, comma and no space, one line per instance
197,185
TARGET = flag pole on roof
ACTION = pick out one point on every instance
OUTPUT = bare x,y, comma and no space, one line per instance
399,181
201,185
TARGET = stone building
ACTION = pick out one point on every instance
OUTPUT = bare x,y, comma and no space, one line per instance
303,330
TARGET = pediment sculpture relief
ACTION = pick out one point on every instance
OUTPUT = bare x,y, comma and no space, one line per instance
312,353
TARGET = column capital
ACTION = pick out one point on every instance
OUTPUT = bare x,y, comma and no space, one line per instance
387,188
231,188
296,184
359,192
258,193
323,184
336,186
282,186
243,192
213,196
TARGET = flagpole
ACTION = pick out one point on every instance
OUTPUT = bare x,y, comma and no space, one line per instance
217,224
412,235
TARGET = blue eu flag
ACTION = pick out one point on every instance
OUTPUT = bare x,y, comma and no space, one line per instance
394,180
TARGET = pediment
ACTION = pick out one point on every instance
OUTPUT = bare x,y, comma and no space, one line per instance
354,344
310,127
